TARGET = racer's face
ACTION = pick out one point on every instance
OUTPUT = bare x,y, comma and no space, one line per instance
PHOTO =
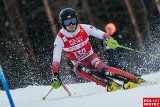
71,27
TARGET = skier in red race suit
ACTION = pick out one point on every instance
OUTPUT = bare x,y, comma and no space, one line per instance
73,39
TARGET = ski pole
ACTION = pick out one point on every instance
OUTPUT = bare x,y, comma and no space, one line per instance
64,87
43,98
127,48
114,44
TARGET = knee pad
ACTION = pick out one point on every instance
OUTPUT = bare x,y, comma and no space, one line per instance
98,64
104,69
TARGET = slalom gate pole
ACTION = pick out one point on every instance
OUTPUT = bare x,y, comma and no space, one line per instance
5,86
66,89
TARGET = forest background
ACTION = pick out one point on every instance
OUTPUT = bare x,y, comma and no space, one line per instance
28,29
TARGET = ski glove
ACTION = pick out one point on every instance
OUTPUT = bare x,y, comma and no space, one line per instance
56,81
111,43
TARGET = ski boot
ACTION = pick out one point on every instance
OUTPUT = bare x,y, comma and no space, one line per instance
130,85
113,86
133,84
139,80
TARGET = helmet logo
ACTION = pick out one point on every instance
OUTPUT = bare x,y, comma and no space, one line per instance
68,17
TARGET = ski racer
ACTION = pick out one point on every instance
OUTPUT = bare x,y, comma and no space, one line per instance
73,39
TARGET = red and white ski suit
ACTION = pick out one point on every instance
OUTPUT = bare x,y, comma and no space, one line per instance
78,48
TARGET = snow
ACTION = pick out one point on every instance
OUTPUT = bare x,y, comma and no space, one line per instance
83,95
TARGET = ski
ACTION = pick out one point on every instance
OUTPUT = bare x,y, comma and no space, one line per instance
99,79
112,83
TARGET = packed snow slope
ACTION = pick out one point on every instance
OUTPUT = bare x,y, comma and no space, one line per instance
83,95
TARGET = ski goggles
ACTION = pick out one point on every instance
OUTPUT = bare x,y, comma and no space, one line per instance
70,21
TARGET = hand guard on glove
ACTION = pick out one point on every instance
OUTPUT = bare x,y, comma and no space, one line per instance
56,81
111,43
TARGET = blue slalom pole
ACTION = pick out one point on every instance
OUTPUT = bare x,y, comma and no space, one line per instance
5,86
